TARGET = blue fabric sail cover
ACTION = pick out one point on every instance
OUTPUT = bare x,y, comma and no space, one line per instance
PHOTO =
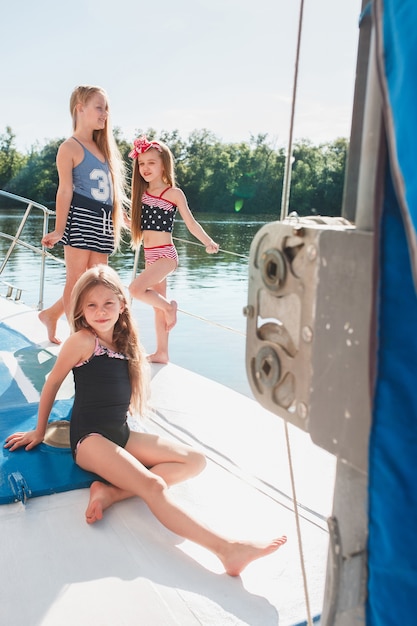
392,545
45,469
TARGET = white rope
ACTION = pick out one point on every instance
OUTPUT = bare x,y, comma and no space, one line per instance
297,521
211,323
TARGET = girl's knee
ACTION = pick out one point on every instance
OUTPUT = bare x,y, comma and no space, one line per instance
196,461
134,290
155,485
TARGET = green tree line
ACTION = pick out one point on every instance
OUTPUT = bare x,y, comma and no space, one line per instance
216,177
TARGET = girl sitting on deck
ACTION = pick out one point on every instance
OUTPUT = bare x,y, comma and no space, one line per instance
104,347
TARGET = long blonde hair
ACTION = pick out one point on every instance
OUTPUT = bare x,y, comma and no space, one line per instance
106,143
125,333
139,186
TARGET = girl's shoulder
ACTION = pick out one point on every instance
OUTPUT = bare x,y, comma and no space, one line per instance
70,144
173,194
70,149
85,336
78,347
83,342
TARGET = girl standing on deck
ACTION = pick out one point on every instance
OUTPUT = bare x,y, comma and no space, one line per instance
90,196
155,200
105,347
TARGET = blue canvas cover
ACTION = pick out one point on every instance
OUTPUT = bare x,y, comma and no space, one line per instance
392,559
45,469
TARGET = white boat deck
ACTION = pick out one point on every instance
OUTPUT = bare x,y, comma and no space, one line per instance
129,570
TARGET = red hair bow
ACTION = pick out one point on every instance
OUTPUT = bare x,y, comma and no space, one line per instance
141,145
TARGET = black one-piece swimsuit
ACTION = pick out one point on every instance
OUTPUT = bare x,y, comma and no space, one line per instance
102,397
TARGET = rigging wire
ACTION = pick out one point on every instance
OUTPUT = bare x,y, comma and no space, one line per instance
284,213
211,323
297,522
196,243
204,319
158,416
285,200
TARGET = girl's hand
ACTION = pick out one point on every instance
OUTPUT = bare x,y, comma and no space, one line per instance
212,247
51,239
29,440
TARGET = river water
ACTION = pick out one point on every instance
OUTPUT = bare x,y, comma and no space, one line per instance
211,291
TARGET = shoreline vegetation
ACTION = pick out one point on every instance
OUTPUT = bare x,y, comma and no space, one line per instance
217,177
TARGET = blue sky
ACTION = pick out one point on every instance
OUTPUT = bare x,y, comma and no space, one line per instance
224,65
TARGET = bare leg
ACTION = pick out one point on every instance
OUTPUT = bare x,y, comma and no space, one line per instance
171,315
99,455
173,462
162,334
147,288
50,316
76,261
161,354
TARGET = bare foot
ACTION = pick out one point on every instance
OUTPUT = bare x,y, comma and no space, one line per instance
97,503
241,553
101,497
50,324
171,316
158,357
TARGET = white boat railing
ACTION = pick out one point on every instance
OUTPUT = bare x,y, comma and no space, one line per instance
38,250
17,241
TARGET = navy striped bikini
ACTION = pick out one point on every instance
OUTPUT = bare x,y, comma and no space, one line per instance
90,224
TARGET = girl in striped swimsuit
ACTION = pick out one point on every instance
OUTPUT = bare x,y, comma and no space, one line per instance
90,196
155,200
